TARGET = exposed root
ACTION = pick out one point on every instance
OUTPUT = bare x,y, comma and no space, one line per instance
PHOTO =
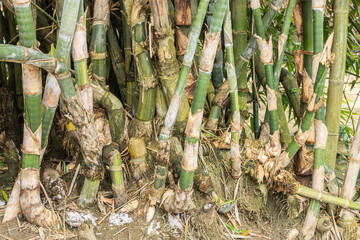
177,201
30,201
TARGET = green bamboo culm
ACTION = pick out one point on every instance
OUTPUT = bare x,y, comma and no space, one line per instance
336,82
235,113
217,75
289,82
309,225
167,63
251,46
33,211
308,33
308,47
297,188
62,52
266,56
205,69
282,40
189,162
126,6
285,136
32,85
216,105
112,157
145,70
163,153
117,61
316,101
98,50
238,10
114,110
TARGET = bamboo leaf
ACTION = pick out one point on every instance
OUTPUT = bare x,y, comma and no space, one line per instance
4,195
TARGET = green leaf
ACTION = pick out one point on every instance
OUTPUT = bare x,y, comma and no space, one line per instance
4,195
234,229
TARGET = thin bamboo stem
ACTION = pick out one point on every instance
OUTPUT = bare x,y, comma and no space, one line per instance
336,81
297,188
238,10
235,112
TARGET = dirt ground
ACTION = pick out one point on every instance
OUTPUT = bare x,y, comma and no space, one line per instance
257,212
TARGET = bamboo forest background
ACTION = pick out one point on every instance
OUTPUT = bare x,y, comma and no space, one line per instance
183,119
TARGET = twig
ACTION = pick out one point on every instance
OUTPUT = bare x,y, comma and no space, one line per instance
45,13
236,207
186,227
73,180
231,220
120,231
335,226
141,135
236,235
101,220
5,237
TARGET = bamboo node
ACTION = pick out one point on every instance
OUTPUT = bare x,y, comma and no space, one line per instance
98,56
266,50
209,52
254,4
31,140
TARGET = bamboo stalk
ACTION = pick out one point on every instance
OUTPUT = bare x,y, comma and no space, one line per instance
112,157
347,219
235,112
216,105
238,16
308,42
282,40
184,188
325,59
126,6
62,52
292,90
163,154
252,44
309,225
117,61
167,64
30,201
266,56
336,81
114,110
285,136
98,51
145,70
297,188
